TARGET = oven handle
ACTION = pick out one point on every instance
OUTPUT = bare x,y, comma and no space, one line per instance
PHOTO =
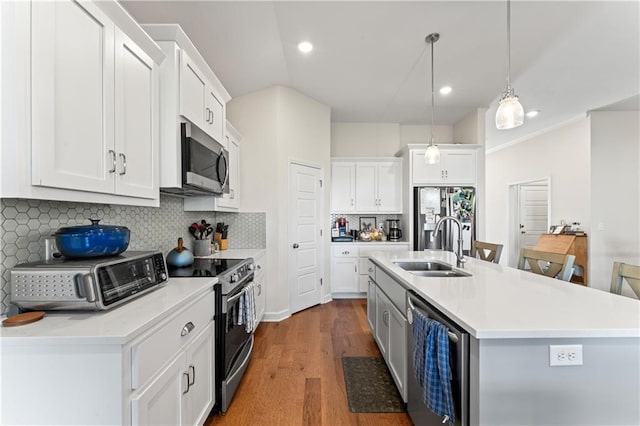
411,308
237,296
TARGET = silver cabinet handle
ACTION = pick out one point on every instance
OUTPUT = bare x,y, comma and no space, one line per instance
258,267
124,164
259,289
233,194
192,370
208,112
352,202
188,328
385,318
355,268
113,161
345,252
295,245
188,386
370,269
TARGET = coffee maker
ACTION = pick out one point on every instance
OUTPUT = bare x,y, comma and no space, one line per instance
395,233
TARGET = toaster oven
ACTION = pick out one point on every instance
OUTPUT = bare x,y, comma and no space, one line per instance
86,284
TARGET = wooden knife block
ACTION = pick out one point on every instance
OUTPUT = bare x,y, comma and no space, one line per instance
567,244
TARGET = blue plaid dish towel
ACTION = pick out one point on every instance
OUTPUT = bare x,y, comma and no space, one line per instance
431,365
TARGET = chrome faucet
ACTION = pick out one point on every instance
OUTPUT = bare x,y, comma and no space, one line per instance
459,254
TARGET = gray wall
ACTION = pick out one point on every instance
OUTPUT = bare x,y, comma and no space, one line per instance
26,223
516,385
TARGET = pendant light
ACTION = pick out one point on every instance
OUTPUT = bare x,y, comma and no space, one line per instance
510,113
432,155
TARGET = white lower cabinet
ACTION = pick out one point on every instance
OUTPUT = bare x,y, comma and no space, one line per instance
163,374
260,278
389,325
350,266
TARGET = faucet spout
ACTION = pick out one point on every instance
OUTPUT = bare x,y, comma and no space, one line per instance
459,254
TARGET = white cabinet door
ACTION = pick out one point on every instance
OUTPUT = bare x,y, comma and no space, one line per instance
161,403
72,96
425,173
193,91
135,127
214,116
343,187
460,167
397,358
366,187
389,184
371,305
382,322
344,275
199,396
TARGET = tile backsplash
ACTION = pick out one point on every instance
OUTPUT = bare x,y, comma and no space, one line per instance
26,223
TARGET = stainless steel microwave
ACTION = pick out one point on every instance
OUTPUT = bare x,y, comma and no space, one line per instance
204,164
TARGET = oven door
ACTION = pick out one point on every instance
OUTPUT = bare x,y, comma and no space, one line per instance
236,336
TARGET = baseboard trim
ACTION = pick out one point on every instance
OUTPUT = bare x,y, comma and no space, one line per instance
350,295
276,316
326,299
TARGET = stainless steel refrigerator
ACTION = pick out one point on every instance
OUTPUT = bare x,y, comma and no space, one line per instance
432,203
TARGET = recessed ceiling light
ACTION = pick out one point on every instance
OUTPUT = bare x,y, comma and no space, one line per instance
445,90
532,113
305,47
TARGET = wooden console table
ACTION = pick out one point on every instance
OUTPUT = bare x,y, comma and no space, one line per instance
567,244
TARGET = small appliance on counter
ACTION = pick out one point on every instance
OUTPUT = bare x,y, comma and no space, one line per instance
341,233
395,233
86,284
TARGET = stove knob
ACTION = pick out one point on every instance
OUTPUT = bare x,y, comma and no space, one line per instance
234,278
163,276
250,266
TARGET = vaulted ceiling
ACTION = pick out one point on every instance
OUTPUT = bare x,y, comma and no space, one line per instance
370,62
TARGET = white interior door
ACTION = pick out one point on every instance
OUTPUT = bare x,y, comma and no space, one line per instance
530,205
305,242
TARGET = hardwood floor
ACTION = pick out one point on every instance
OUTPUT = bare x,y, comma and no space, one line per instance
295,376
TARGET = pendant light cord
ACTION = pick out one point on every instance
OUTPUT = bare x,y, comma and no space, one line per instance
508,45
433,99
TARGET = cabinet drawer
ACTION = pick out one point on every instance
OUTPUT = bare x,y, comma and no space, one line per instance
394,290
158,346
367,251
344,251
371,269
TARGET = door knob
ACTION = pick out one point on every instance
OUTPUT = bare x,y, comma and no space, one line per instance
295,245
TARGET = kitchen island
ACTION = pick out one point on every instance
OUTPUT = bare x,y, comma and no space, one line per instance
512,318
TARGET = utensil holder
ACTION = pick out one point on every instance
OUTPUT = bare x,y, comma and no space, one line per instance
201,247
224,244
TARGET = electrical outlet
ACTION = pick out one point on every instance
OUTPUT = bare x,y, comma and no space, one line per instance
561,355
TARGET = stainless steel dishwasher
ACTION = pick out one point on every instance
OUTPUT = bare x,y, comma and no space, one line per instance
458,360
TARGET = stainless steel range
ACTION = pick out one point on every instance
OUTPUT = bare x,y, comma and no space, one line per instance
234,343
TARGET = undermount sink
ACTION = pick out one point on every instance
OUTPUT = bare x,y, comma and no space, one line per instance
440,274
431,269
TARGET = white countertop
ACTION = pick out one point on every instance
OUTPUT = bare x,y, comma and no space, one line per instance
116,326
499,302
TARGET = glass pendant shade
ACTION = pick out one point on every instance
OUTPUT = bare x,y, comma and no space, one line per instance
432,155
510,113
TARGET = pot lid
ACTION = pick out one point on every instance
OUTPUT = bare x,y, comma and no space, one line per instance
95,227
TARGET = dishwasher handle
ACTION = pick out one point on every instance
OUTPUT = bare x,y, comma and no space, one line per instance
411,308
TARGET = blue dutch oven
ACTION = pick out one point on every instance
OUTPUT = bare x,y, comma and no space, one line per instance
92,240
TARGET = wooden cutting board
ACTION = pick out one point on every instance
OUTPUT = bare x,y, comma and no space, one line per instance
22,319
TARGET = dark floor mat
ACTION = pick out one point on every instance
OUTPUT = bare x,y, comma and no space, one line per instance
370,387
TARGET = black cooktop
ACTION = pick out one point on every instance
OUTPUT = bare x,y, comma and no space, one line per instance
204,268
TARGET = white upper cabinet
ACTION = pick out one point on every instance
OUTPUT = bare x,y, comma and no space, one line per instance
343,187
136,99
88,128
72,97
366,186
457,167
199,102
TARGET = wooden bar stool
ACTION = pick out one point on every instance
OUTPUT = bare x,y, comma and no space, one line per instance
553,265
487,251
631,273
